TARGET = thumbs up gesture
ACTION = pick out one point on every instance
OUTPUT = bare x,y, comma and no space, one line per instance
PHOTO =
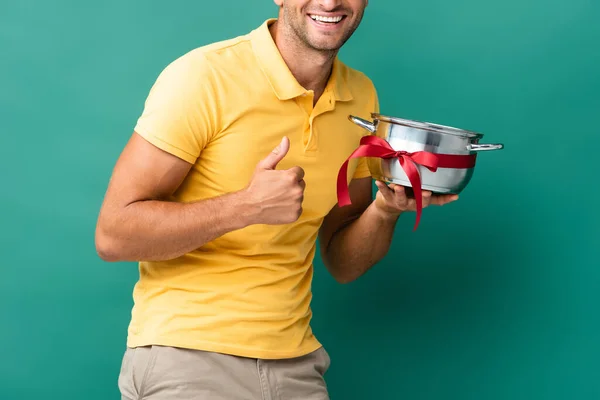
278,194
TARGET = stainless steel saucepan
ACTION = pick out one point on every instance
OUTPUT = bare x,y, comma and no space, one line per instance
414,136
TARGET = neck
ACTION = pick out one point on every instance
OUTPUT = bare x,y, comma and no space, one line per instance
310,67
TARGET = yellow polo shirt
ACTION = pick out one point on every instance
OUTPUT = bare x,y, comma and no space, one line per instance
223,107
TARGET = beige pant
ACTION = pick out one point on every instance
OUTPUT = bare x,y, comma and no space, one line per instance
161,373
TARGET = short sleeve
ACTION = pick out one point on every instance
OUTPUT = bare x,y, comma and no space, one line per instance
179,111
362,168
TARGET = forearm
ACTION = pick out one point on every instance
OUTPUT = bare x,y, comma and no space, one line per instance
160,230
355,248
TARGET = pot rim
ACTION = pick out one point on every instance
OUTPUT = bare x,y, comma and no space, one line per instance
427,126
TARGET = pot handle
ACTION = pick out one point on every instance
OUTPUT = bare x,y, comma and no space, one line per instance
484,147
370,126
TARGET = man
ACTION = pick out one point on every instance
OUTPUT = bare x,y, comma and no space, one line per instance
221,193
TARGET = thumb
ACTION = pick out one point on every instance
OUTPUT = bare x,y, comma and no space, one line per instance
276,155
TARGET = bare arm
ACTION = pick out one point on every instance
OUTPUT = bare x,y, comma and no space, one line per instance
356,237
136,222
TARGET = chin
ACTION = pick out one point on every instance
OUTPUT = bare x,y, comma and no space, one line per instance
327,48
326,45
318,42
325,41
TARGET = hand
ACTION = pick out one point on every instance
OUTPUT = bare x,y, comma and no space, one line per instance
393,199
277,194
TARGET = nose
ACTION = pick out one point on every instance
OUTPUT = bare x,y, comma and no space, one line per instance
329,5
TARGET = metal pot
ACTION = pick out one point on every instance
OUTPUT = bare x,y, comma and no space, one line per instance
414,136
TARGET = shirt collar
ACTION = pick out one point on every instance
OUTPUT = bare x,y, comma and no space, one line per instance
280,77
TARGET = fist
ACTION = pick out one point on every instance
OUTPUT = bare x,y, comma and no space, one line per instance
277,194
394,199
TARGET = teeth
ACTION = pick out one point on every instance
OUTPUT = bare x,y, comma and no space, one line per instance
321,18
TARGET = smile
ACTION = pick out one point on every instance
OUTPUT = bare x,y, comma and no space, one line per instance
329,20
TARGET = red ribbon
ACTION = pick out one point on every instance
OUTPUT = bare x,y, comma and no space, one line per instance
374,146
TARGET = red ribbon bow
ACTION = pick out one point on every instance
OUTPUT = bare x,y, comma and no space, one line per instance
374,146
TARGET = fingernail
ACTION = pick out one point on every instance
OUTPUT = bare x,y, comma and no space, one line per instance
278,147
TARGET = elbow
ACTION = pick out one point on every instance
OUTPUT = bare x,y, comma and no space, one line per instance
106,247
341,274
345,278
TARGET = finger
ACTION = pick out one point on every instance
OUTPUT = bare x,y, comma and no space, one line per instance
411,204
297,172
398,189
382,187
403,199
440,200
400,194
426,196
385,191
276,155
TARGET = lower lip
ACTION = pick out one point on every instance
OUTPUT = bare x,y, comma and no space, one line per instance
326,25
